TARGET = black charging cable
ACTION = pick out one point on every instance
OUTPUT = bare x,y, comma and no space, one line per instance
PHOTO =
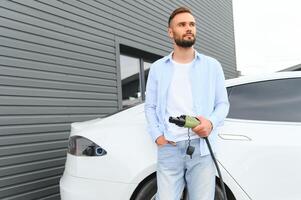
190,151
217,168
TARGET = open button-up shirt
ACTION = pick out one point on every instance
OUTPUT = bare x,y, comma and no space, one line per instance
209,95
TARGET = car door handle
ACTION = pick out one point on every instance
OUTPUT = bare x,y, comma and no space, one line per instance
234,137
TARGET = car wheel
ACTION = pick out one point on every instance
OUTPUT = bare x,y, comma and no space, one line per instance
149,190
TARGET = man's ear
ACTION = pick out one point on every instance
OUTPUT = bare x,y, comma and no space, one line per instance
170,33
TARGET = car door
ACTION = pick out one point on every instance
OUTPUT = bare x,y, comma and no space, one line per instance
261,139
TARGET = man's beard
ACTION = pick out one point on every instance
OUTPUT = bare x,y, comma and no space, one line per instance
184,43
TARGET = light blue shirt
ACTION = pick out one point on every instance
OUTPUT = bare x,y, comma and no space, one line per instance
209,95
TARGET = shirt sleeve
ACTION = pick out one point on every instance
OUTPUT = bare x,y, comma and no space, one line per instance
151,105
221,102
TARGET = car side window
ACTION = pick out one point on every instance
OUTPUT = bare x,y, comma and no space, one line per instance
274,100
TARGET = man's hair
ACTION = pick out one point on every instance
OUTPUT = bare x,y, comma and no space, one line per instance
178,11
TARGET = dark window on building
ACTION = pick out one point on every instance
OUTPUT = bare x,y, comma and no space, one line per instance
134,68
275,100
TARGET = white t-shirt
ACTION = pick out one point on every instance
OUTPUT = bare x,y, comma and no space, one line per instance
179,100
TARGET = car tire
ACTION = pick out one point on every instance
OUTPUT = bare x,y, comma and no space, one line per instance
148,190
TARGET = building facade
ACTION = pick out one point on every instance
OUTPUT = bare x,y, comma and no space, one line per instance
63,61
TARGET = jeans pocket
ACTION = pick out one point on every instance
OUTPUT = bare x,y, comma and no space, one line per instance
166,151
162,146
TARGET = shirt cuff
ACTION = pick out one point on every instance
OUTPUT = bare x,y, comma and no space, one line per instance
155,136
212,120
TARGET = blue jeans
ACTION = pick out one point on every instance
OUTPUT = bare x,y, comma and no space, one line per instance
175,169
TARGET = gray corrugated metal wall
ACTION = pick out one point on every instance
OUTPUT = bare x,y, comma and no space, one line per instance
58,64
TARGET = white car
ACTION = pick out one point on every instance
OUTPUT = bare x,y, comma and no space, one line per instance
259,147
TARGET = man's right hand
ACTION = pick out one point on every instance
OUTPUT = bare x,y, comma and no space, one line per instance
160,141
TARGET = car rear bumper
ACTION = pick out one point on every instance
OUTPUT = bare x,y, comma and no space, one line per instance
75,188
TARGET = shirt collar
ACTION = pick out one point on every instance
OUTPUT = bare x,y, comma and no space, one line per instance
169,57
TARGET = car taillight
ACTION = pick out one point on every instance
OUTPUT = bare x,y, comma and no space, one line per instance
81,146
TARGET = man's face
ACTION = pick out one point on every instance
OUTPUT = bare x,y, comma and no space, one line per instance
182,30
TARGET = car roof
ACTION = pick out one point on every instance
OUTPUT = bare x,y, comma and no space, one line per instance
262,77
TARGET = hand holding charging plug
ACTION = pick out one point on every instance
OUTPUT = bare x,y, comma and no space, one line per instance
204,128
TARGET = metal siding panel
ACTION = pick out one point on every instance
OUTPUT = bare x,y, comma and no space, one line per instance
125,13
43,119
41,57
29,167
54,51
70,37
55,20
152,12
120,18
52,197
73,44
30,82
105,78
58,64
33,133
31,176
38,110
38,65
36,194
31,157
39,92
32,147
107,24
29,186
33,101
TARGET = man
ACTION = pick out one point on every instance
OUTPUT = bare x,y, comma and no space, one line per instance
185,82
